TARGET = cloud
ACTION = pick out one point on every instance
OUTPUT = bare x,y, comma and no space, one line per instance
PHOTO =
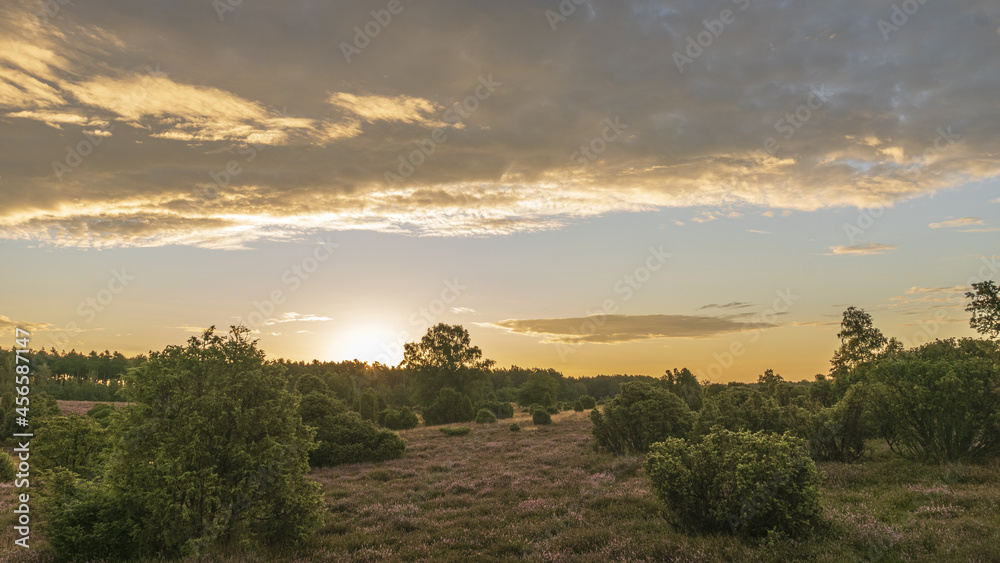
732,305
9,326
960,222
205,153
952,289
863,249
816,324
296,318
613,329
462,310
755,231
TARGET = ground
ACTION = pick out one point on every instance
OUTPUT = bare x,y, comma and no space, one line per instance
544,494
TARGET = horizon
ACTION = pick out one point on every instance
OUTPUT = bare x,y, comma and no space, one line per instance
626,188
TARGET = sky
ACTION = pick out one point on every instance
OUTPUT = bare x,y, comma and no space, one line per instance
598,187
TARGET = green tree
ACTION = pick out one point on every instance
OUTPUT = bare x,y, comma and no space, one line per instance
74,442
449,406
212,453
638,416
445,357
685,385
739,408
539,388
985,308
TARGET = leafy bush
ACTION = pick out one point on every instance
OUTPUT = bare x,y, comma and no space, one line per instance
74,442
552,410
500,409
578,406
841,430
638,416
514,427
455,430
101,412
740,408
342,436
742,483
587,401
7,468
535,407
541,416
399,419
485,416
450,406
540,387
941,401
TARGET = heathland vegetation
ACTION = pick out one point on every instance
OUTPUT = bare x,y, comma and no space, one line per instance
216,452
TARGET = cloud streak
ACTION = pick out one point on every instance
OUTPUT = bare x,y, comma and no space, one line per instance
615,329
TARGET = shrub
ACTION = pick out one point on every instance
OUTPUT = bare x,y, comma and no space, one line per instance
74,442
939,402
638,416
540,387
514,427
101,412
578,406
541,416
740,408
345,437
450,406
500,409
7,469
535,407
742,483
485,416
552,410
841,430
455,430
399,419
587,401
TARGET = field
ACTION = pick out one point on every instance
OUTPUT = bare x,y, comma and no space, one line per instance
543,494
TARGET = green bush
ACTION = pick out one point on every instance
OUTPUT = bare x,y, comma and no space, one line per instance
638,416
541,416
399,419
587,401
578,406
535,407
455,430
7,468
552,410
347,438
514,427
485,416
841,430
742,483
101,412
500,409
450,406
940,402
740,408
74,442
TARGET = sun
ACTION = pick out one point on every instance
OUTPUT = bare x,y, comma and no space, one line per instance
368,342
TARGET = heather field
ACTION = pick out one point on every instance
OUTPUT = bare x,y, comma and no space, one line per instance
544,494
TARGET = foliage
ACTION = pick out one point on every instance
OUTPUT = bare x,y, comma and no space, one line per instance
941,401
366,404
455,430
445,358
485,416
450,406
985,308
578,406
76,443
514,427
101,412
552,410
541,416
399,419
841,430
639,416
860,343
212,453
342,436
743,483
588,402
738,408
539,388
685,385
7,468
500,409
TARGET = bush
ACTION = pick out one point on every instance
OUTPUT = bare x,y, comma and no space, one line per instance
399,419
541,416
74,442
841,430
455,430
739,408
450,406
743,483
101,412
638,416
500,409
578,406
7,469
940,402
345,437
535,407
514,427
485,416
552,410
587,401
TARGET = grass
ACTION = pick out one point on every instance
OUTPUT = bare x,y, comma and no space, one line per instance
544,494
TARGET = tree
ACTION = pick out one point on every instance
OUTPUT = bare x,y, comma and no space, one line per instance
985,309
449,406
860,343
212,452
638,416
444,357
685,385
539,388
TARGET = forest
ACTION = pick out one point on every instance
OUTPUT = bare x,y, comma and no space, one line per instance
211,450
